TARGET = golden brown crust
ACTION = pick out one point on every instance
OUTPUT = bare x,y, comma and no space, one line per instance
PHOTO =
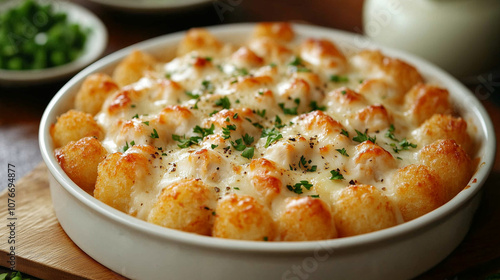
323,53
266,178
242,217
400,75
423,101
450,162
306,219
95,89
281,31
73,126
361,209
80,159
185,205
440,127
133,67
418,191
118,173
198,39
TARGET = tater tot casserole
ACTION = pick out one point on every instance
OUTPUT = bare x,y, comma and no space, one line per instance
271,139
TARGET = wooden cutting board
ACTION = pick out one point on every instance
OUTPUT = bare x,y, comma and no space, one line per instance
42,247
44,250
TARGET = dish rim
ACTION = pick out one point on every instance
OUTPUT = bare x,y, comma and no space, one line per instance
151,5
484,125
94,47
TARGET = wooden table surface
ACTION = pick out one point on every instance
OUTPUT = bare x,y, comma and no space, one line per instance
21,108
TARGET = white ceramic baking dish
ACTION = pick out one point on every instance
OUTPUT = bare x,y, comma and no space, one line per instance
140,250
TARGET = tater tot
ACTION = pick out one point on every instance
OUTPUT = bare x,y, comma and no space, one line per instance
198,39
133,67
450,162
185,205
417,191
306,218
265,178
423,101
242,217
440,127
95,89
361,209
73,126
116,176
275,30
80,160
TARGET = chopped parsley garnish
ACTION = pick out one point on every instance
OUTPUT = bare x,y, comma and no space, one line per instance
305,164
272,135
273,64
289,111
223,102
344,132
236,188
303,69
146,123
343,92
404,145
261,92
192,95
261,113
339,79
154,134
336,175
133,106
266,238
389,134
248,139
407,145
235,116
342,152
214,146
242,145
237,101
314,106
226,131
208,58
362,137
248,153
168,76
297,61
297,188
126,147
241,72
238,145
204,131
186,142
213,113
278,122
136,116
206,85
314,195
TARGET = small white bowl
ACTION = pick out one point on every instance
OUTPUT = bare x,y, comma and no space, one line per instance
94,47
140,250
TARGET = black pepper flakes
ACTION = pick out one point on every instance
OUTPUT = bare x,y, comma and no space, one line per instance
216,189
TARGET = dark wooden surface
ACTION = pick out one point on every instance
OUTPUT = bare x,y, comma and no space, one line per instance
21,108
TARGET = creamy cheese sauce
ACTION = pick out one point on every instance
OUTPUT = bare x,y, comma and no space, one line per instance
306,156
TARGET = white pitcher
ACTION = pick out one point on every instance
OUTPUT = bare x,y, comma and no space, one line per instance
460,36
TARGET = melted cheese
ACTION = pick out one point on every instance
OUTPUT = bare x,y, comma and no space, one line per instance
278,96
